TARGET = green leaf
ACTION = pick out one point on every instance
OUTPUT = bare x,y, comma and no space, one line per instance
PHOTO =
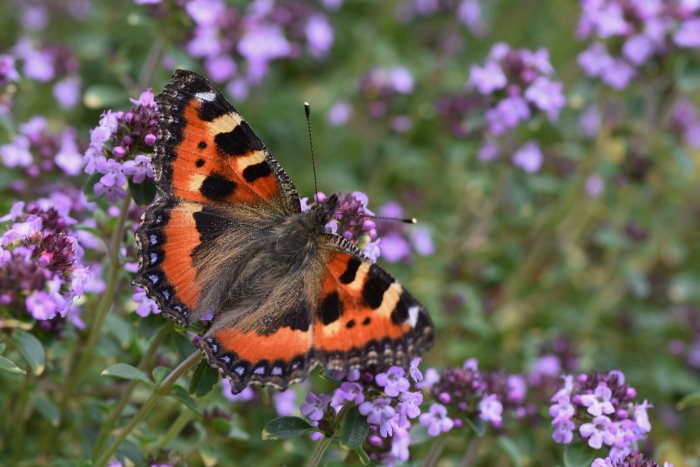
143,193
125,371
238,433
510,448
689,400
203,380
100,96
362,455
578,455
48,410
31,349
11,367
180,394
354,429
2,347
286,427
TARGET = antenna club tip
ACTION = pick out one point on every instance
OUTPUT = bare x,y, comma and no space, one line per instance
307,109
414,220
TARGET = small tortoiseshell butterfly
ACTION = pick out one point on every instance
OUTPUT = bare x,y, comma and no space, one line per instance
228,236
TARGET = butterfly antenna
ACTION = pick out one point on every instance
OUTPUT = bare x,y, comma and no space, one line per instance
405,220
307,111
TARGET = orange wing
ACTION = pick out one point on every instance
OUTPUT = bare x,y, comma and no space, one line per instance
363,316
207,153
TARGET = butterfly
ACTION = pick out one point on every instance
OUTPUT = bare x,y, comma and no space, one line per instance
228,236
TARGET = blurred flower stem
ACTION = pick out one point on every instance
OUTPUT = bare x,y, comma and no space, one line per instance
126,394
21,416
80,358
435,451
161,389
325,442
180,422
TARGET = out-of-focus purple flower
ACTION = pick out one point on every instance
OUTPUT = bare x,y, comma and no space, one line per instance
528,157
638,49
285,402
470,14
205,12
220,67
618,74
595,186
491,410
632,459
590,121
547,96
507,114
315,406
319,35
8,72
414,371
436,420
689,34
339,113
67,92
488,78
488,151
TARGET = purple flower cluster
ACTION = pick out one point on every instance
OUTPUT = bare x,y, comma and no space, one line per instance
625,35
237,46
480,395
39,151
634,459
386,399
353,220
517,83
120,147
285,402
399,241
685,121
41,271
600,408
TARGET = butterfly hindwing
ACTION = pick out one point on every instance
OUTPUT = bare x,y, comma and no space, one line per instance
207,153
363,317
170,236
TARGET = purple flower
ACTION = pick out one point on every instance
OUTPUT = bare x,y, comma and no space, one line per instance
347,392
408,407
488,151
595,186
547,96
590,121
491,410
528,157
507,114
339,113
598,403
315,406
595,60
638,49
319,35
414,371
67,92
395,247
379,412
488,78
436,420
246,395
469,13
8,72
138,169
220,67
689,34
597,432
285,402
618,74
146,306
393,381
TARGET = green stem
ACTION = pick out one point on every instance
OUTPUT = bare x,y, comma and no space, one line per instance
128,391
162,389
470,455
319,451
20,418
180,422
83,353
435,452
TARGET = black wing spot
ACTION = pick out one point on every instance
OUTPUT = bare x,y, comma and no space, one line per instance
256,171
239,141
400,313
202,145
199,162
376,284
211,110
298,318
349,275
216,187
331,308
350,324
366,321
